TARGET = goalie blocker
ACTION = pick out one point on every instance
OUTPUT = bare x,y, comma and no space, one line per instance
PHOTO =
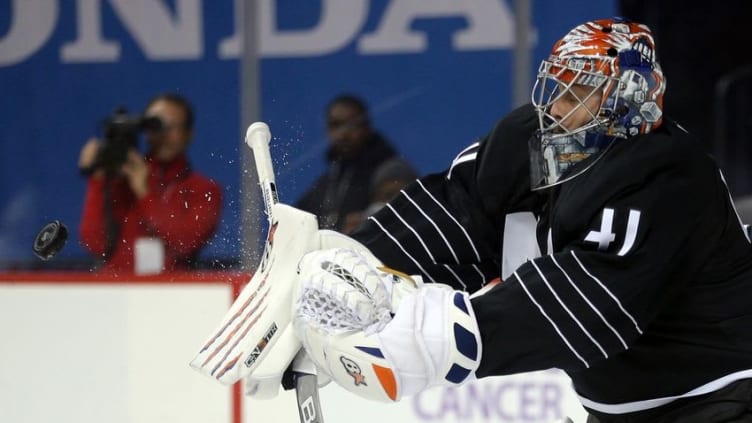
374,343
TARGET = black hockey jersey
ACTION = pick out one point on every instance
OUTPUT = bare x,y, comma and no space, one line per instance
643,294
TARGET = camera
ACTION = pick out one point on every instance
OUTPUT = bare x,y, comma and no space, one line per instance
121,132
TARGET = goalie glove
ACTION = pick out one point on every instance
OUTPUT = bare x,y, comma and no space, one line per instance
374,338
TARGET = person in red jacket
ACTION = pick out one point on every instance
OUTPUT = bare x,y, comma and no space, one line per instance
154,199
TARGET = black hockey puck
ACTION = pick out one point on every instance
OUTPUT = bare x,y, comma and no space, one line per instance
50,240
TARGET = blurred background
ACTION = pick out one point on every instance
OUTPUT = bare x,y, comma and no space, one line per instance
435,74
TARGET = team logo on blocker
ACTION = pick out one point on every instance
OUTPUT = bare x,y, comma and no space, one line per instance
353,370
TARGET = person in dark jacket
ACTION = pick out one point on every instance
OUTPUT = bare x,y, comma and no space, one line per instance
342,193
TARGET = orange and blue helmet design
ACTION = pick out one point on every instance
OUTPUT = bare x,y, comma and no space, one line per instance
617,59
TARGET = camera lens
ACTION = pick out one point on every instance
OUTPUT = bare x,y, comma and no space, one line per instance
50,240
152,124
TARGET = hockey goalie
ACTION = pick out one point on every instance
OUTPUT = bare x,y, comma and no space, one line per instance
640,289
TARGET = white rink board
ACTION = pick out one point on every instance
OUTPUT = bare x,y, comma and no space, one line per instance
114,353
117,352
539,397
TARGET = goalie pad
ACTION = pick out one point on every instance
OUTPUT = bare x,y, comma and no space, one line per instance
345,317
255,339
259,319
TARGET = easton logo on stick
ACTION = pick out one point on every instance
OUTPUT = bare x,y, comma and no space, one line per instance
254,355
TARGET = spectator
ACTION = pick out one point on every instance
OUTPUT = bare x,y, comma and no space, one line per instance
341,194
153,200
387,182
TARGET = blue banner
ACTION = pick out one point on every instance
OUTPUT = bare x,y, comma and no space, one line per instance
436,75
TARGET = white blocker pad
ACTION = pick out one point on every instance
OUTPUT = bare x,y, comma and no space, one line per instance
255,338
259,319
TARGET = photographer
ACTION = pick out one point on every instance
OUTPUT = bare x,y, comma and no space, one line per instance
147,213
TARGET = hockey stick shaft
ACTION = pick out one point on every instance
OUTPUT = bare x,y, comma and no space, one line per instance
257,137
307,389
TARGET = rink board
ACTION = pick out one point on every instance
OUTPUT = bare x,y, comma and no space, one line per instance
87,349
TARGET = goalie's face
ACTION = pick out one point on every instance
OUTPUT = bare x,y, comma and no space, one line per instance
568,114
574,107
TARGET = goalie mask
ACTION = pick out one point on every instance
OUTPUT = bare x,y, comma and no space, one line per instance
601,82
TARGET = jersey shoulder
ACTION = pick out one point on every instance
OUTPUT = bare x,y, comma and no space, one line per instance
666,169
669,155
503,165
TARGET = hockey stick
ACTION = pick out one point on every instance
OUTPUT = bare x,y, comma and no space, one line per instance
255,338
258,137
